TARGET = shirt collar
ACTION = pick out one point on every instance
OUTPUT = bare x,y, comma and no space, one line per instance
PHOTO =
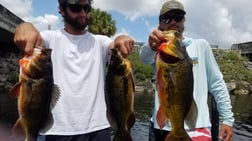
186,41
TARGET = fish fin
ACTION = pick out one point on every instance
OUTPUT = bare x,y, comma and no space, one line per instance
110,117
28,90
55,96
133,80
192,115
111,120
171,73
160,82
132,117
161,118
131,120
47,123
15,90
17,130
122,136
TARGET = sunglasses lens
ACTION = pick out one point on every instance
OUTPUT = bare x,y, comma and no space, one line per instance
87,8
178,18
77,8
168,19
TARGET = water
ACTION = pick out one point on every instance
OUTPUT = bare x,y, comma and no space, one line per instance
242,108
143,106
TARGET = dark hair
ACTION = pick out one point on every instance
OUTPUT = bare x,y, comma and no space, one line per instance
63,2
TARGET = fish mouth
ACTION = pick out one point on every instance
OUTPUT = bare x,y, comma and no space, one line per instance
34,66
167,58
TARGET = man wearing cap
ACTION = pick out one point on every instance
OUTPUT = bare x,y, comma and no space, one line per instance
207,76
79,59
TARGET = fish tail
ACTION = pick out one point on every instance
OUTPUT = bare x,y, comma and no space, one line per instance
181,137
131,120
192,115
122,136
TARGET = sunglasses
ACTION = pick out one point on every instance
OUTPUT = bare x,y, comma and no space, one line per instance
168,18
76,8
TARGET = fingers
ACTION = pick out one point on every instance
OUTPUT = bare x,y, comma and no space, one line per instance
155,39
39,41
27,37
34,41
226,133
125,45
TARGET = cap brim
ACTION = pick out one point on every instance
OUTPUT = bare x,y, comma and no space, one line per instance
179,11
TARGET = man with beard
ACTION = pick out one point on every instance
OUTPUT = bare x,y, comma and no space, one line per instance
206,74
79,59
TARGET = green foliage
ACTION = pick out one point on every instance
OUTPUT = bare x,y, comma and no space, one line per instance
142,72
13,77
101,23
233,66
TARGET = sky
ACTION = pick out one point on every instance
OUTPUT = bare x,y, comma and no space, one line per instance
220,22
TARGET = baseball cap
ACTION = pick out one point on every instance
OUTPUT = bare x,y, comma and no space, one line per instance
68,1
172,5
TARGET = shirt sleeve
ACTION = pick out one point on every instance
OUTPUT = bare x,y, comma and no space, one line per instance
146,54
46,36
217,87
104,42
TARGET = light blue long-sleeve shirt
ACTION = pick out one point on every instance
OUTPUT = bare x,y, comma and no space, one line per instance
207,78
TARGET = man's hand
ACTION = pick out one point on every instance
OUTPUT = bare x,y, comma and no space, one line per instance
155,39
124,44
27,37
226,132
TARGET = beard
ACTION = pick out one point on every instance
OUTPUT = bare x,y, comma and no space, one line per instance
75,23
171,27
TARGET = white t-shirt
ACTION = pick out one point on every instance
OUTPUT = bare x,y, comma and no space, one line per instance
78,70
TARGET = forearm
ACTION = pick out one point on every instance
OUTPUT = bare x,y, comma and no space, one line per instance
217,87
220,92
225,111
26,37
146,54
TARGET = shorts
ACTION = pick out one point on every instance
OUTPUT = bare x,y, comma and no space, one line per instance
101,135
199,134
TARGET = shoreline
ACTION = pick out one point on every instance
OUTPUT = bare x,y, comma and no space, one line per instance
143,88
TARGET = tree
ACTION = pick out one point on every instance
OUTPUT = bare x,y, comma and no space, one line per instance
101,23
141,71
